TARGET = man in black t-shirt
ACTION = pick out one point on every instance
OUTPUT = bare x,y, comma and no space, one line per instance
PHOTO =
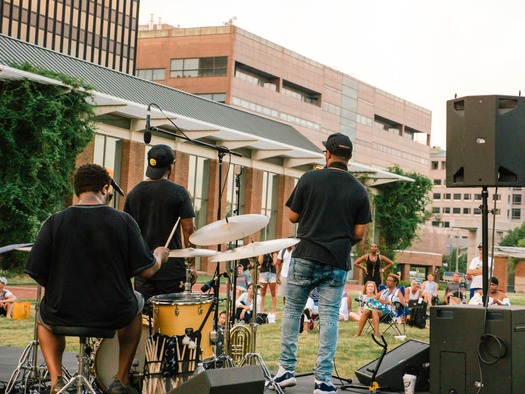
85,257
332,209
156,204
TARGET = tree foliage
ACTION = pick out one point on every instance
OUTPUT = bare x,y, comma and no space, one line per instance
515,237
400,208
43,127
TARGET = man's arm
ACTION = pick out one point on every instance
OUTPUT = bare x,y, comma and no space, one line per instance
161,255
359,232
293,216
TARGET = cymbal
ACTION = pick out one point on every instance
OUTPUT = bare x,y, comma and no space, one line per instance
229,229
192,252
254,249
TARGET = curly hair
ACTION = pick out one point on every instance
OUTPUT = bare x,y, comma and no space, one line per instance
90,178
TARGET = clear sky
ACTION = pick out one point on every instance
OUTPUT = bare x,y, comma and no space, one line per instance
423,51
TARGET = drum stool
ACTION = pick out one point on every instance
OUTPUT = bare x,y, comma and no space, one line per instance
84,333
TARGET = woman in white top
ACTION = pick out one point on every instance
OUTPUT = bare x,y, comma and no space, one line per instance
369,292
244,305
429,288
414,291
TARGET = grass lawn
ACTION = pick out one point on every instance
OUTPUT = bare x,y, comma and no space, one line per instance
352,353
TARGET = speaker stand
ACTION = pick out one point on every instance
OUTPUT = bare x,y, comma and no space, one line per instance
374,386
249,358
485,244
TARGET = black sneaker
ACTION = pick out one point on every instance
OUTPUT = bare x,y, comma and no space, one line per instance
119,388
284,379
324,388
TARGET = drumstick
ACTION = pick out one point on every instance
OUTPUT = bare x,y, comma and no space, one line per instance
172,232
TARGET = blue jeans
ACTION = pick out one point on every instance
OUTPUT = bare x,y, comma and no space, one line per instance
303,276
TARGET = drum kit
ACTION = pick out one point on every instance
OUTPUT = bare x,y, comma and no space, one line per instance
180,332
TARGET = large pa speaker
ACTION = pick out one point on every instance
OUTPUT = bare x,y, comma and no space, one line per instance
225,381
410,357
485,141
471,348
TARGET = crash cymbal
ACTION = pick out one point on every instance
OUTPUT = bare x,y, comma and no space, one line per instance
192,252
254,249
229,229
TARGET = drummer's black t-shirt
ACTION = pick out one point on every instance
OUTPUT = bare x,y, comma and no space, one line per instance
156,206
84,256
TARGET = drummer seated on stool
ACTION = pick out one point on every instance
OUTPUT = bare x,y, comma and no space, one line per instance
85,256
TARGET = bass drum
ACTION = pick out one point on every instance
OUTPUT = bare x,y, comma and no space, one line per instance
107,357
174,313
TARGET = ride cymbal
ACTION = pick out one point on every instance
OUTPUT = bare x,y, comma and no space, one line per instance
254,249
229,229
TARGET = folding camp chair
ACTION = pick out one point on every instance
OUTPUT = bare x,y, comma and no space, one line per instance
395,320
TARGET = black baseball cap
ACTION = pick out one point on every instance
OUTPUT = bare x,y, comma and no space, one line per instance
159,159
338,144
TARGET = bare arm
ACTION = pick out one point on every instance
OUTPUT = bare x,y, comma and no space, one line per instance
161,255
187,229
293,216
357,263
389,263
359,232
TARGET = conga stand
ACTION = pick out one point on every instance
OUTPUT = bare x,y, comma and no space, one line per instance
253,357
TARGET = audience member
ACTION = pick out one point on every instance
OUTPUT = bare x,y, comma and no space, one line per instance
475,270
373,269
7,299
414,291
454,293
268,278
497,297
283,264
310,310
244,306
429,289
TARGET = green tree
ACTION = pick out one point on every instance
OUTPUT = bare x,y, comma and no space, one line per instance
43,127
515,237
400,207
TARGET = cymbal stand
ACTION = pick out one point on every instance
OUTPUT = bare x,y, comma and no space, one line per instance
251,358
31,375
189,277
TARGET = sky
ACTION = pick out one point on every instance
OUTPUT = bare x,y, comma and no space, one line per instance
423,51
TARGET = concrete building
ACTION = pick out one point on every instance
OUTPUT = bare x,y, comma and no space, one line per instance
98,31
233,66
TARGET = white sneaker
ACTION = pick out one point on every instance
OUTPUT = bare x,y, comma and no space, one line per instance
271,318
284,378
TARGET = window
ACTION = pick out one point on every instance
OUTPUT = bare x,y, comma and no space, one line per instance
446,196
446,224
436,210
457,196
467,196
435,165
152,74
466,211
516,199
108,153
446,210
477,196
301,93
456,211
219,97
199,67
437,181
435,223
256,77
436,196
269,204
477,211
235,194
516,213
198,177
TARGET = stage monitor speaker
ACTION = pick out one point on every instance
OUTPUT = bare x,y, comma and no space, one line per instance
240,380
459,334
485,140
410,357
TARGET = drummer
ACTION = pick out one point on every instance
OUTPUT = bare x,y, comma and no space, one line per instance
156,203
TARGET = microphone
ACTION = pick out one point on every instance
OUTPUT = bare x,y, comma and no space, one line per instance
208,285
147,133
116,187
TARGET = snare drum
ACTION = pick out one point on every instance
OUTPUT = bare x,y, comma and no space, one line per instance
176,312
107,358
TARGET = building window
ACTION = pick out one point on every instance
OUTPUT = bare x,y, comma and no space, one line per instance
446,224
219,97
466,211
516,199
457,196
446,210
477,196
456,211
467,196
516,213
443,165
236,185
108,153
256,77
436,209
152,74
446,196
199,67
435,165
436,223
436,196
198,177
437,181
301,93
255,107
477,211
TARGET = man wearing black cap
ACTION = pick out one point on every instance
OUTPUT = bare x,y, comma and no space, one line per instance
332,209
85,256
156,204
476,270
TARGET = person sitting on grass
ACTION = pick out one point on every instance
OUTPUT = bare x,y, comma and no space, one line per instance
7,299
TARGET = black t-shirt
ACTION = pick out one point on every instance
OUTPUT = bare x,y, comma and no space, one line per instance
330,203
84,256
156,206
266,265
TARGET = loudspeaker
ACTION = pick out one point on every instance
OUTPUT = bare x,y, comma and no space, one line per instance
225,381
410,357
460,334
485,140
